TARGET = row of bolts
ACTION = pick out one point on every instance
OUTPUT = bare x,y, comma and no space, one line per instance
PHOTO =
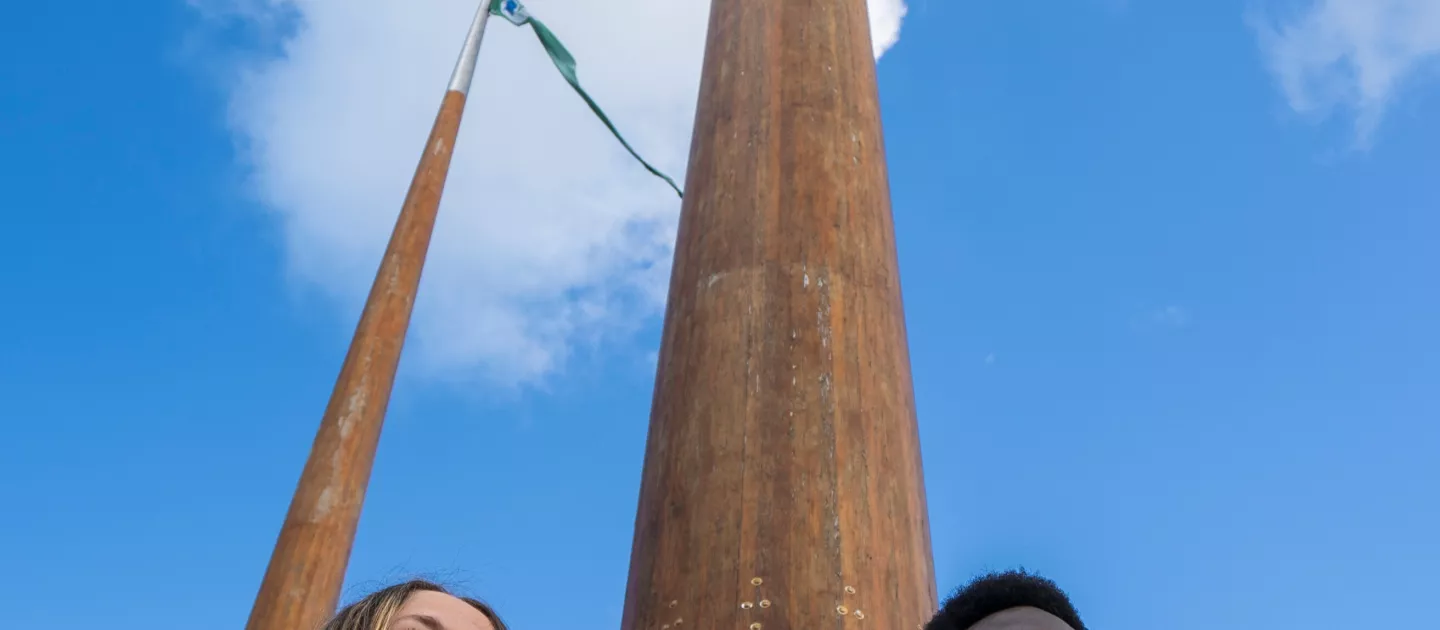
765,603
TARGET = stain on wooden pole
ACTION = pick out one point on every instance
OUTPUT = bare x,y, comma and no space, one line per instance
307,569
782,486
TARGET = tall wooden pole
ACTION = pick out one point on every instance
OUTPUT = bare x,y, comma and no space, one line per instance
782,487
302,583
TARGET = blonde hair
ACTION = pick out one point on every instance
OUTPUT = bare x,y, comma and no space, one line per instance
376,610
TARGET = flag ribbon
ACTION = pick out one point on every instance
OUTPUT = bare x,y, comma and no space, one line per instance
515,12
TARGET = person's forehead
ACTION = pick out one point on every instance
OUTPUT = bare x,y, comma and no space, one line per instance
1022,618
452,612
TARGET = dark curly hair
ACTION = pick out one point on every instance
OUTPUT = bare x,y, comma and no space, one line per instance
990,594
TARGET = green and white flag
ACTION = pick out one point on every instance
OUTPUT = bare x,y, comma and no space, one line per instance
511,10
514,11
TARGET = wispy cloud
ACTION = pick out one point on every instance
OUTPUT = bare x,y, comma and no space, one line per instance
885,19
1350,54
549,235
1170,316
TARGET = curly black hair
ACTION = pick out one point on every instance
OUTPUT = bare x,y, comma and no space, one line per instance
990,594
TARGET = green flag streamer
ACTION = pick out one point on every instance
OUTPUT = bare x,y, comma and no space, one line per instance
515,12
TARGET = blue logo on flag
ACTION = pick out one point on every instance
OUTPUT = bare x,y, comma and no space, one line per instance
511,6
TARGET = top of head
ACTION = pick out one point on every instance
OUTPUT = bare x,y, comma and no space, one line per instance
1013,600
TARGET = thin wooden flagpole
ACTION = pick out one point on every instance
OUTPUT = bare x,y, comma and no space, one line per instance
307,568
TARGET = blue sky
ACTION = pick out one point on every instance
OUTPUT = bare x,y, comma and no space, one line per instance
1172,324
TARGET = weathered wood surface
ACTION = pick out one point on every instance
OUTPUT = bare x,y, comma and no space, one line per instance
782,487
307,569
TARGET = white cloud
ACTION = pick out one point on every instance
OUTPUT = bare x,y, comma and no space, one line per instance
1353,54
885,18
1171,316
549,235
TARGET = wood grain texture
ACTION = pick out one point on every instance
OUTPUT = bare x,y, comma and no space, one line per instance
782,483
302,583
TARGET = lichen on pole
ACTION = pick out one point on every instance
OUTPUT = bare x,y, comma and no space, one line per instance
782,485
